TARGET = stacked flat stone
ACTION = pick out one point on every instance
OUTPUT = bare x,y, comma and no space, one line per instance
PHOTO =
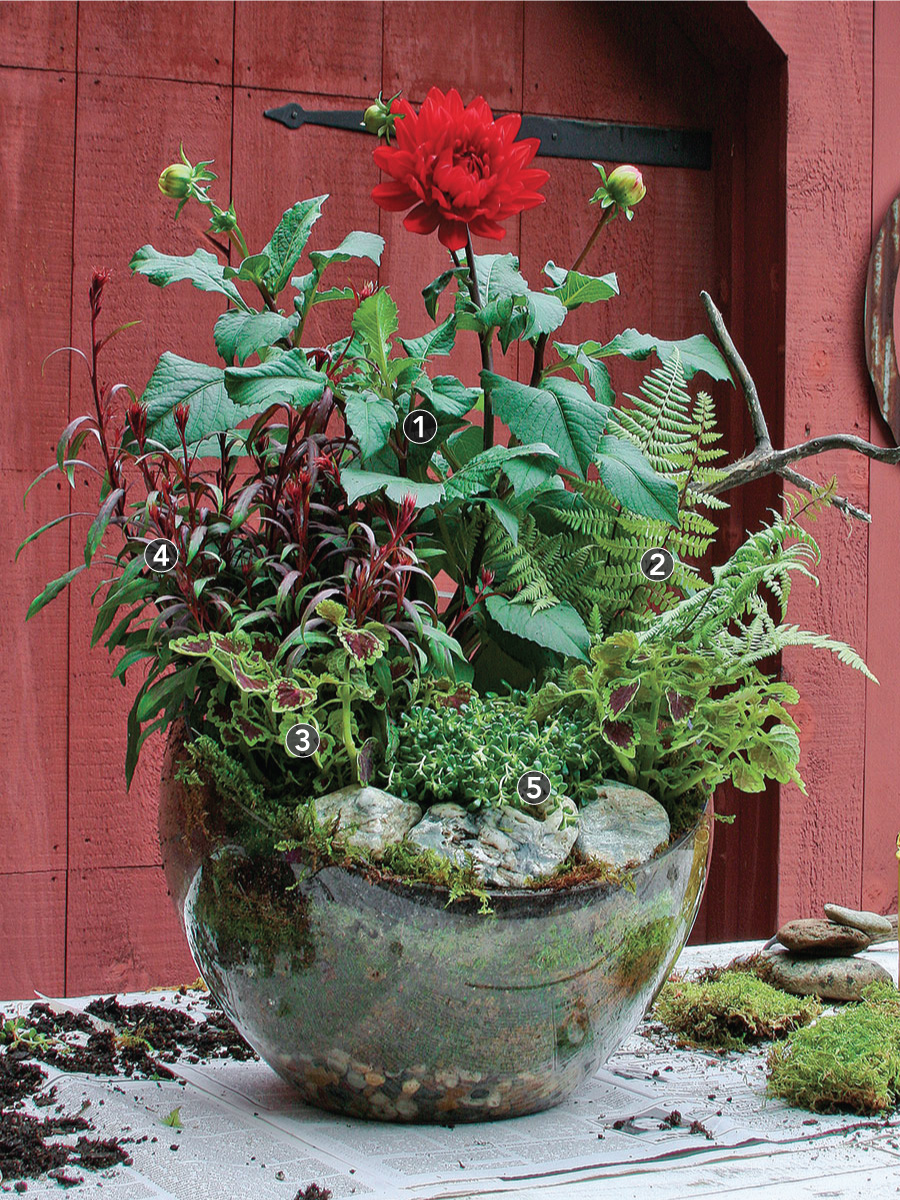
818,955
505,846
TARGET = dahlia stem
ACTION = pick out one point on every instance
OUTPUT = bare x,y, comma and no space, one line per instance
608,214
540,345
487,354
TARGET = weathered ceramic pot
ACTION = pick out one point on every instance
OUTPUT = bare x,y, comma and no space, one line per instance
379,1000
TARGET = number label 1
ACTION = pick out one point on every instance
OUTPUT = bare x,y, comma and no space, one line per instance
301,740
657,564
161,555
420,426
533,787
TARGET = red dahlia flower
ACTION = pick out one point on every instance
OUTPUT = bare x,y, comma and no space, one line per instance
456,167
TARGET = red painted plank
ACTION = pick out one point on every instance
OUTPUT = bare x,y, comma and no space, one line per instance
123,933
828,231
33,773
882,817
164,40
36,200
613,62
327,49
32,934
39,34
35,215
476,48
109,826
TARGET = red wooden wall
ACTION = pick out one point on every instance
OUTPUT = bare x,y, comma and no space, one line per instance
94,100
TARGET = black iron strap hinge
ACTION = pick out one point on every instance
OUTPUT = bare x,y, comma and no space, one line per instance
561,137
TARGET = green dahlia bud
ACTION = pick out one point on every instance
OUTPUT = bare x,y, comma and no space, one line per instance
176,181
373,118
378,118
626,186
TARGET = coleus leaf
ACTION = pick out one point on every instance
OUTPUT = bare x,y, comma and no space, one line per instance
248,683
620,694
621,735
196,646
288,696
252,733
680,707
363,646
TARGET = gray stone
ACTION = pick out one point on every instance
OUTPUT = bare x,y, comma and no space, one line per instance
871,924
817,938
504,845
380,818
827,978
623,825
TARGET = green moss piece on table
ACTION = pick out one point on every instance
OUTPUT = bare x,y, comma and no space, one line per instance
849,1061
731,1011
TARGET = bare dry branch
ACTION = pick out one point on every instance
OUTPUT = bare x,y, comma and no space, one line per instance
764,459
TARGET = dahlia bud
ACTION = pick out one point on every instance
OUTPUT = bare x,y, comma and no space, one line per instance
379,119
624,187
176,181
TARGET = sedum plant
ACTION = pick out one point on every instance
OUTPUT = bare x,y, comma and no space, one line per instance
311,495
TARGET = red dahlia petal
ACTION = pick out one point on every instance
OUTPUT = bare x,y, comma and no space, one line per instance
452,234
424,218
483,227
393,197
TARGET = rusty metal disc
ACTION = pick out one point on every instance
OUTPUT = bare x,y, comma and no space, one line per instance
881,284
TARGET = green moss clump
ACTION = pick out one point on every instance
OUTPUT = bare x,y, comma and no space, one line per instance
414,864
731,1011
847,1062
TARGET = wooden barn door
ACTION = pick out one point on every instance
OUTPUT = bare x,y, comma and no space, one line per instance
108,91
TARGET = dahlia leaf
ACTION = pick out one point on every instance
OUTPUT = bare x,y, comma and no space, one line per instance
289,240
697,352
238,334
574,289
177,380
201,268
439,340
558,628
286,378
630,478
355,245
560,413
371,418
357,483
